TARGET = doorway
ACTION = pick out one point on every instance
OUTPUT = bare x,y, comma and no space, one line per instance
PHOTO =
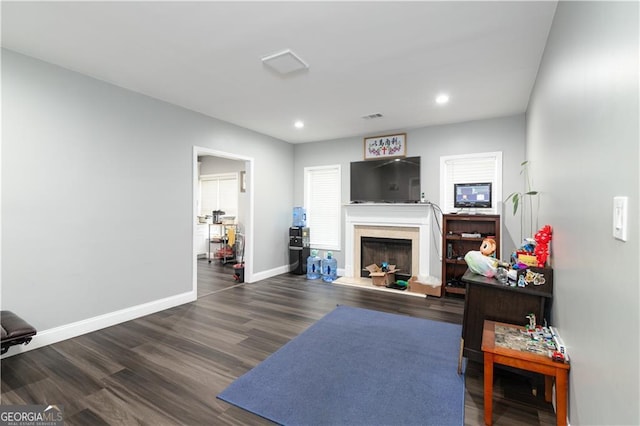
243,167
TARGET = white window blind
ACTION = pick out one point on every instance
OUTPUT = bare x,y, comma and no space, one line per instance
219,192
471,168
322,201
209,196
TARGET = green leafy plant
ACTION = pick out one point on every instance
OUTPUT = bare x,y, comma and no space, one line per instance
518,198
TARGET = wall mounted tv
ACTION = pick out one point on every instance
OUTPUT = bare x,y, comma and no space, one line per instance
472,195
390,180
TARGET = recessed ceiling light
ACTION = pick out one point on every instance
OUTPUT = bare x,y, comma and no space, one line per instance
299,124
442,99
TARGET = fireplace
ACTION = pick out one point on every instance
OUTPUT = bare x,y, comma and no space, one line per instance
394,251
387,221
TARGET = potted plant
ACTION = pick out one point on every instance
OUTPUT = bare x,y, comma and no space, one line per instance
518,198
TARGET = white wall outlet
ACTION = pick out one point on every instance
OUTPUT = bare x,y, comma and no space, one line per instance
620,218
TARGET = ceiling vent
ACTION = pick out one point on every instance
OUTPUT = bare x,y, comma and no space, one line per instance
372,116
285,62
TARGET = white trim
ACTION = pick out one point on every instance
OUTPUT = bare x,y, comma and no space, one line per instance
232,175
263,275
496,195
68,331
399,215
248,227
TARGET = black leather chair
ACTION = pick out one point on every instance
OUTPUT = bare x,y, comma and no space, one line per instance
15,330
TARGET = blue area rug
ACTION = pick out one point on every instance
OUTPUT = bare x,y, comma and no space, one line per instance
359,367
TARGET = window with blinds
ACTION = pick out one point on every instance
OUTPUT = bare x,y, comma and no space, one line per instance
219,192
471,168
322,201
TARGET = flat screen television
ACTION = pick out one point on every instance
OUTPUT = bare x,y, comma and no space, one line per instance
391,180
472,195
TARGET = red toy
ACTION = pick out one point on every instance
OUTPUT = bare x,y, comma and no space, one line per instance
542,238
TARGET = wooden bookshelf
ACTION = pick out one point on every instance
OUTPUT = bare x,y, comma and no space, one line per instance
455,246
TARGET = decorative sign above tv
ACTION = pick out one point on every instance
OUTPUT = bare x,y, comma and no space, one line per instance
386,180
386,146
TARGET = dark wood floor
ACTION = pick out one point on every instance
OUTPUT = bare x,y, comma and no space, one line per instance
167,368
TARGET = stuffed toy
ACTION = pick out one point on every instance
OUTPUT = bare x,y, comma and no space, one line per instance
488,247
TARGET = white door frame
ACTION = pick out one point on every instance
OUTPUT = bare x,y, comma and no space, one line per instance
248,226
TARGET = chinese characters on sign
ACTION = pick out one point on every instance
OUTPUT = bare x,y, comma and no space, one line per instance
385,146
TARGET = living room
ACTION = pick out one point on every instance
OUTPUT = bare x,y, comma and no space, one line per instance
97,194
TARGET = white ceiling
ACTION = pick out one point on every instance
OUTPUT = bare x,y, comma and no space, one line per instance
391,58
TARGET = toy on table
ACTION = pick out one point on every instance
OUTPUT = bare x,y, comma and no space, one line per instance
545,339
542,238
532,322
488,247
480,261
521,281
530,277
502,275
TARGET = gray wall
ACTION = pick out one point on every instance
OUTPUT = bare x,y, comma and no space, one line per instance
82,162
506,134
582,141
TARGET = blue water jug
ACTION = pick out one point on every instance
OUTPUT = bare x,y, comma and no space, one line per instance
329,268
299,217
314,267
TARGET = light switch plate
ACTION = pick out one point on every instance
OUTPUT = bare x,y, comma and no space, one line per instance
620,218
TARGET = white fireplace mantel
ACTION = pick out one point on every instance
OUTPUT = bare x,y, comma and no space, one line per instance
387,215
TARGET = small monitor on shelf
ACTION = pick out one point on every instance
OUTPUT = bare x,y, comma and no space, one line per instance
472,195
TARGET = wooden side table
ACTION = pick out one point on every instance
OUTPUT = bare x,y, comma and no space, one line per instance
496,352
486,298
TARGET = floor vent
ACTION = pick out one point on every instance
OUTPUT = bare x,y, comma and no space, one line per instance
372,116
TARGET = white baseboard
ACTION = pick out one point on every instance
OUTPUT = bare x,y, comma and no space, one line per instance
277,271
68,331
269,273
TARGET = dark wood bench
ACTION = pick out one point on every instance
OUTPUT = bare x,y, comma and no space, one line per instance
15,330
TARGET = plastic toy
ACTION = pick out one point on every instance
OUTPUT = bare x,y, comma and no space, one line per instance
521,281
542,238
488,247
501,275
519,265
532,322
399,285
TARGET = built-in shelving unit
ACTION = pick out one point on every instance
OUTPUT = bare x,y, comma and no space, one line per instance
455,245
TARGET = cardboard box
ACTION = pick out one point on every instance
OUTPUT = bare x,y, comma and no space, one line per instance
416,286
380,278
